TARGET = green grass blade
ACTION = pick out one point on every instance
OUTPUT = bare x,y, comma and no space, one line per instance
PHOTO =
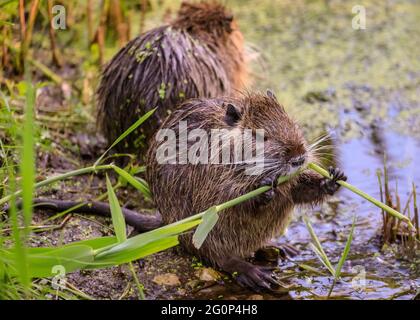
59,177
116,213
126,133
319,250
27,172
138,184
210,218
323,258
27,166
131,251
364,195
134,243
20,259
41,264
345,251
137,281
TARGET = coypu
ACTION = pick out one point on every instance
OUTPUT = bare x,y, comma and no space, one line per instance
181,190
200,54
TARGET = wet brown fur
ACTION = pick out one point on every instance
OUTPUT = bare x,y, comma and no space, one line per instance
181,190
200,54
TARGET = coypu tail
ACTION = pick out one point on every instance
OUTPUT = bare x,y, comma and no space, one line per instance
140,222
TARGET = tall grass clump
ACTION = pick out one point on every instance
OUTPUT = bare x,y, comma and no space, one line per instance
393,231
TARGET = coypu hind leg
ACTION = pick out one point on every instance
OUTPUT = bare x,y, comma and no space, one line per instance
313,188
249,275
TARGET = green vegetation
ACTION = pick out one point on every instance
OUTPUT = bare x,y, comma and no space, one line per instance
322,256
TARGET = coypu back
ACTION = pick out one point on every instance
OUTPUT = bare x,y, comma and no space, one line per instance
167,65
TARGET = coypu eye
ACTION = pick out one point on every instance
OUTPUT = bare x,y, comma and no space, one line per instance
232,115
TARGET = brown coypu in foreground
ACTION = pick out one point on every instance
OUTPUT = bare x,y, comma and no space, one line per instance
200,54
181,190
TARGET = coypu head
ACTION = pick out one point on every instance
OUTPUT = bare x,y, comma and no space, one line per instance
205,17
285,148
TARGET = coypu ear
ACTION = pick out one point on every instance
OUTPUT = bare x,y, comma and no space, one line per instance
271,94
232,114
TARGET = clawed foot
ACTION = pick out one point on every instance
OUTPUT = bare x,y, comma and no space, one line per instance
273,252
258,278
330,186
266,197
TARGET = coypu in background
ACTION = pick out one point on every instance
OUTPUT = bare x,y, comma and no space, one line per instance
200,54
181,190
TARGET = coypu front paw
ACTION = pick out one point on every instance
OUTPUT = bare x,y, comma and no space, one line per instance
264,198
330,186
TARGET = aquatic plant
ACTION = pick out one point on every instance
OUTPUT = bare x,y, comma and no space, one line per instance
393,232
322,256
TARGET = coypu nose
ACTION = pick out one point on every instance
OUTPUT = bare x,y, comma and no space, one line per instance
297,161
